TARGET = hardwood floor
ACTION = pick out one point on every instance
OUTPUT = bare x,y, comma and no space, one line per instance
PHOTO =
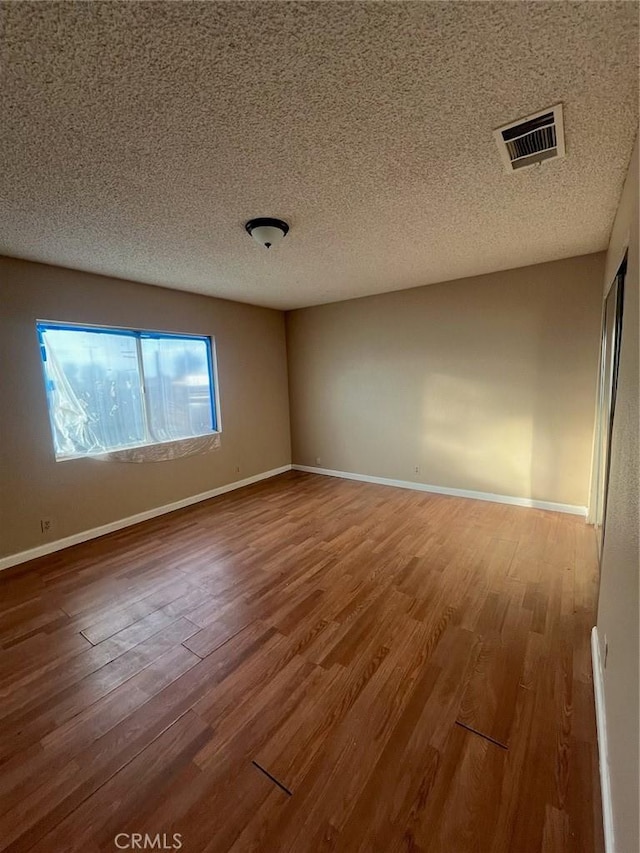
307,664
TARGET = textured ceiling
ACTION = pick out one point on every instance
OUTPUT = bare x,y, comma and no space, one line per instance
137,138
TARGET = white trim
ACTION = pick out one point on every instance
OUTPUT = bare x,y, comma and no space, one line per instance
444,490
611,271
603,749
112,526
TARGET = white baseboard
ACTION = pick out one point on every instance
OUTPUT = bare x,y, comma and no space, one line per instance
603,749
443,490
84,535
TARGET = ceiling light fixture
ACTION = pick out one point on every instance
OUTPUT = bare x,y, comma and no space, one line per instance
267,231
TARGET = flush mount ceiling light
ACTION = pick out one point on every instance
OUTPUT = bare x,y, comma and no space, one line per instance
267,231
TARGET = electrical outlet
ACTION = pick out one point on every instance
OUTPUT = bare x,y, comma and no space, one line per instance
237,469
318,460
46,526
416,470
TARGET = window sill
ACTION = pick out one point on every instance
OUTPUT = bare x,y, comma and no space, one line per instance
161,451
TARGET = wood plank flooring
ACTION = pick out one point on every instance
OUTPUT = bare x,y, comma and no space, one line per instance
307,664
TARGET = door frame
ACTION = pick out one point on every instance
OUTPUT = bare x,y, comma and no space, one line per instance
608,368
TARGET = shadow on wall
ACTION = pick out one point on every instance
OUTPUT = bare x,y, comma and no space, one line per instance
486,384
371,411
526,432
498,426
477,436
566,363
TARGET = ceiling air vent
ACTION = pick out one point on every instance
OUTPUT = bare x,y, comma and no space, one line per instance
532,139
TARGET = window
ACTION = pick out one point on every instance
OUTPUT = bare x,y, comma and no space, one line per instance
111,389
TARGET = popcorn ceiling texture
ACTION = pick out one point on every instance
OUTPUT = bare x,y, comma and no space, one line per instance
137,138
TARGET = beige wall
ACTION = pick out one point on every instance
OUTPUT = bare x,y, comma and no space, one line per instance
618,608
86,493
486,383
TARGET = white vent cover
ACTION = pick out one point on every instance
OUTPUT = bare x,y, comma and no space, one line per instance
532,139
